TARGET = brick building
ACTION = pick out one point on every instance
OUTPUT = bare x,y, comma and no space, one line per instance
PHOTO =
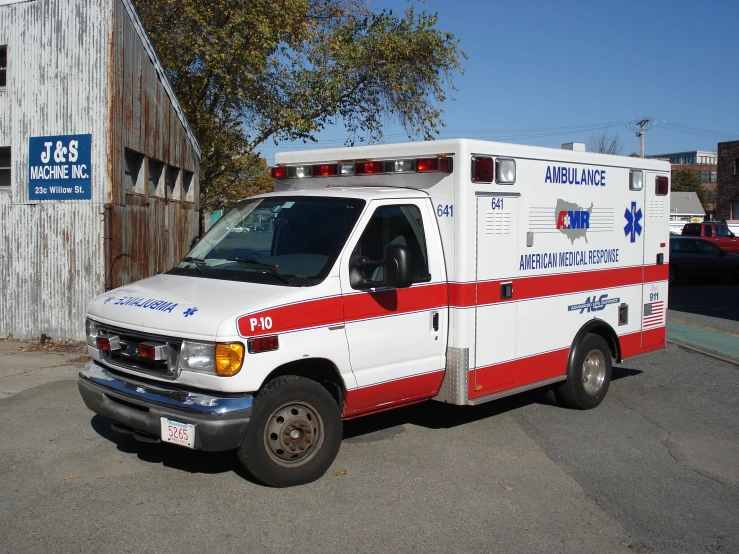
703,163
727,196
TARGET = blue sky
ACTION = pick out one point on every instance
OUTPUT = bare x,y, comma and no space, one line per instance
544,73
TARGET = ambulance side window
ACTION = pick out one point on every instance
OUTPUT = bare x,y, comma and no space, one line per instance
398,224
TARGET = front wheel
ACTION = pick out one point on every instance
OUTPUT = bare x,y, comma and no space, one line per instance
294,434
589,374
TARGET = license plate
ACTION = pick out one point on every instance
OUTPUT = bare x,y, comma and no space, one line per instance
178,433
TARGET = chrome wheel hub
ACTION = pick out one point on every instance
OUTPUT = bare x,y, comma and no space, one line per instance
593,372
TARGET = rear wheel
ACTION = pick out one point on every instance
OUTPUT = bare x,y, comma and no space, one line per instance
294,434
589,374
673,275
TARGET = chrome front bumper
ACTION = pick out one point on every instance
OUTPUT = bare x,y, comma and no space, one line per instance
220,421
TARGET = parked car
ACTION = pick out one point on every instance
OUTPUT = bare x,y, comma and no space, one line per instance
716,232
696,258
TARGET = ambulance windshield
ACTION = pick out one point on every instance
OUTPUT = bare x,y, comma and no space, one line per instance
285,241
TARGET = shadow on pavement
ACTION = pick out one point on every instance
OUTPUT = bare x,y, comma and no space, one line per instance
714,300
191,461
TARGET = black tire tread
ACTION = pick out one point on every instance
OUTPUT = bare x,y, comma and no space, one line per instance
568,392
273,387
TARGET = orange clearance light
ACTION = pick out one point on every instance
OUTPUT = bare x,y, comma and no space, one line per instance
279,172
368,168
263,344
478,387
434,165
325,170
229,358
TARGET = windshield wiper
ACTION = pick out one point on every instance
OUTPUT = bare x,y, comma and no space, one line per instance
197,262
269,268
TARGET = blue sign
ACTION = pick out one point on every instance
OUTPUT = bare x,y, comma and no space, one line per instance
60,167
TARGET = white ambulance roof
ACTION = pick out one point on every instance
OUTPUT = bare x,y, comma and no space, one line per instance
453,146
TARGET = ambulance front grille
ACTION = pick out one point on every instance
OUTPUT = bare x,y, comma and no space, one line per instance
127,358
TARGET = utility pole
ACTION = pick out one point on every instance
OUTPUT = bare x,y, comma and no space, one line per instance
641,126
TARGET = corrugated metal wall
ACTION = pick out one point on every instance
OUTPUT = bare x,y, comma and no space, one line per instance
77,67
51,258
153,226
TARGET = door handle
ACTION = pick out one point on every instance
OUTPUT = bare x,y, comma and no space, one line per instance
435,321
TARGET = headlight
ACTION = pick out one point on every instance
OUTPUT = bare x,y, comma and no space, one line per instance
91,330
222,359
197,356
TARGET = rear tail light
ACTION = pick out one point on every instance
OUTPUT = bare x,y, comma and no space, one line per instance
108,343
369,168
434,165
262,344
482,169
662,186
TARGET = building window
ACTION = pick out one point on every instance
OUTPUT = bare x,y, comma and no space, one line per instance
156,168
713,176
173,174
3,66
4,168
189,193
736,166
132,169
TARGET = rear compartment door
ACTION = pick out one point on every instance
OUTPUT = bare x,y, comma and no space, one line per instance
495,308
655,239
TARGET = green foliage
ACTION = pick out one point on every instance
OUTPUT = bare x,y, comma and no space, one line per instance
250,71
685,180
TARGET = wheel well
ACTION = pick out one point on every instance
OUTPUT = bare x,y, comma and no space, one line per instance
320,370
602,329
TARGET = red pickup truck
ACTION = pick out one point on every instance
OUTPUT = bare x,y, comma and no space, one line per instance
715,232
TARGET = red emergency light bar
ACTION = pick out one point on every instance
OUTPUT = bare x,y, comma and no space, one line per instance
439,164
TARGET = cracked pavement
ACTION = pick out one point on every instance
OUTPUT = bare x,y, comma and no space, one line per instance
655,468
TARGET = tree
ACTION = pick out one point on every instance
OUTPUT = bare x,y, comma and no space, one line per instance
250,71
685,180
605,144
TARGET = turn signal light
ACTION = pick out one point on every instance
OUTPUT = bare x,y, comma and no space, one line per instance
229,358
263,344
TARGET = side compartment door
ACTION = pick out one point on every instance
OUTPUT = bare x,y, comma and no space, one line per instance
396,336
495,309
654,233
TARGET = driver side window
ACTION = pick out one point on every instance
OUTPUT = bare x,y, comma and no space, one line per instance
397,224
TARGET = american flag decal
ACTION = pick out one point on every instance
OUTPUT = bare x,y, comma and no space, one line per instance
654,314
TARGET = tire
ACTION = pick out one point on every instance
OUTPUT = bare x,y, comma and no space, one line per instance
588,376
673,276
294,433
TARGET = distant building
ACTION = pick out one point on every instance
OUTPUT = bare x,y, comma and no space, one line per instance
685,207
98,166
703,163
727,201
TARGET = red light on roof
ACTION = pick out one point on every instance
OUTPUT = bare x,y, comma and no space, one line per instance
279,172
434,165
325,170
262,344
483,169
662,186
368,168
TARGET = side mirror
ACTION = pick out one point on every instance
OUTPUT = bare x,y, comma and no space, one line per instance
396,266
392,272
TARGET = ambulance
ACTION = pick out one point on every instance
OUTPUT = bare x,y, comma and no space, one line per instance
374,277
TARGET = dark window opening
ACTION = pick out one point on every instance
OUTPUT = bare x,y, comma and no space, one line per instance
5,167
3,66
186,181
132,168
172,174
155,174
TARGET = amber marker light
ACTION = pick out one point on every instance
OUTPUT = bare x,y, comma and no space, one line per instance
229,357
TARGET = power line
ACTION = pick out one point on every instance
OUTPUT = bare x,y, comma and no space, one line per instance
643,125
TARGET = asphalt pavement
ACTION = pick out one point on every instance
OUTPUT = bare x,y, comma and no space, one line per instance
655,468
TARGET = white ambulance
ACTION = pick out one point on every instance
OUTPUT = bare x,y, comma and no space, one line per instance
375,277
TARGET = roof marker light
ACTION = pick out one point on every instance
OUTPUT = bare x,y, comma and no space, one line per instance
434,165
325,170
279,172
482,169
368,168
